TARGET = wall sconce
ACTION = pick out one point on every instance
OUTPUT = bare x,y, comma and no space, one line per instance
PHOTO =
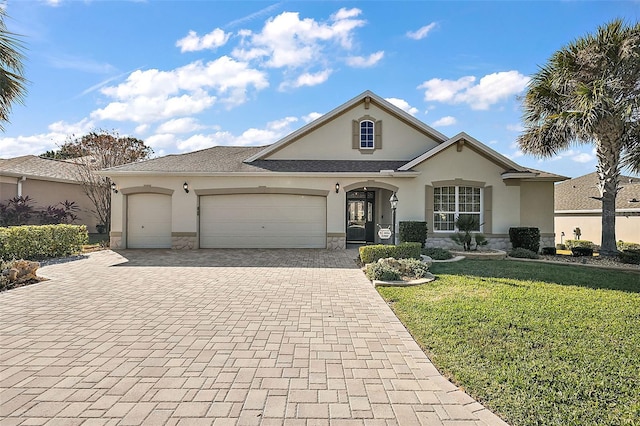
185,186
114,187
337,187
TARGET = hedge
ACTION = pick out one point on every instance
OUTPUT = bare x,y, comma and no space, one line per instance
413,231
42,241
625,245
630,256
579,243
523,237
370,254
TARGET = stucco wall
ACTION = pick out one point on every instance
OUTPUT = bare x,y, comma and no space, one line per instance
627,228
46,193
333,140
468,165
536,205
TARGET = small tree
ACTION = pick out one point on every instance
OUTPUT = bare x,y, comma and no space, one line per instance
467,224
100,150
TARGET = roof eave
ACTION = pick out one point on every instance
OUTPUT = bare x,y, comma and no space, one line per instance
387,173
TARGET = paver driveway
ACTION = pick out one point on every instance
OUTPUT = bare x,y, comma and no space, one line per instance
215,337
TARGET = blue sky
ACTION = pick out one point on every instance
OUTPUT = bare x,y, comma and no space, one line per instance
185,75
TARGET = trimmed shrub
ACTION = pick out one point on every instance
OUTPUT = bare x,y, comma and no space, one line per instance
379,271
581,251
413,231
561,246
523,237
549,250
579,243
437,253
43,241
414,268
625,245
523,253
630,256
370,254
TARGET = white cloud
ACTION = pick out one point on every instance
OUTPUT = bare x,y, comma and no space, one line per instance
583,157
422,32
307,79
180,125
492,142
444,121
143,128
288,41
515,155
311,116
365,61
273,131
491,89
153,95
37,144
160,141
192,42
80,64
515,127
403,105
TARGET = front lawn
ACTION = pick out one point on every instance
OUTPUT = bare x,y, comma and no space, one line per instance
538,344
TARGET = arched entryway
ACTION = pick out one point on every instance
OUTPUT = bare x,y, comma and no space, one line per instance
367,211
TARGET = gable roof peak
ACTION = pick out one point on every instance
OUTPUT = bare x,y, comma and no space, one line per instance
366,96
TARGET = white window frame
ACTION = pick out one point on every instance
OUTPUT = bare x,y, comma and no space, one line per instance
373,135
457,211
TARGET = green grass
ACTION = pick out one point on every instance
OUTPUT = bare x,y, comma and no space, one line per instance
538,344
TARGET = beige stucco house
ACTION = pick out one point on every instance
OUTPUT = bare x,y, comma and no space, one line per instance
328,184
577,205
47,182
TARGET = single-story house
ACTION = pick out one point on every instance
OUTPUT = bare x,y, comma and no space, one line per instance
577,205
47,182
328,184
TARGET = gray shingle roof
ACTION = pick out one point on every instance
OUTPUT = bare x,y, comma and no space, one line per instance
221,159
36,167
577,193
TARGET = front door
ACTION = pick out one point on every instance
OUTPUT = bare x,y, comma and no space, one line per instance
360,217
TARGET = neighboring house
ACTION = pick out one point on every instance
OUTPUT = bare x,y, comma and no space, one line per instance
328,184
47,182
577,205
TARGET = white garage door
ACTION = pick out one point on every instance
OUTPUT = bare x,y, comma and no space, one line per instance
149,221
263,221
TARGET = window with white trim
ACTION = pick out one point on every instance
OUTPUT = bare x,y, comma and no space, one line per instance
367,133
449,202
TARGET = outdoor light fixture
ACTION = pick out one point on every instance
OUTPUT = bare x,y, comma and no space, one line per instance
185,186
114,187
337,187
394,204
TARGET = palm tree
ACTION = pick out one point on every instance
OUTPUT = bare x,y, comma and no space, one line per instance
587,93
12,81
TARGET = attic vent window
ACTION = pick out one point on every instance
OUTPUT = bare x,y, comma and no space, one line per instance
367,134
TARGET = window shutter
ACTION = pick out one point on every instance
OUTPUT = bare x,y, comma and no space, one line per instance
428,207
355,135
488,210
378,135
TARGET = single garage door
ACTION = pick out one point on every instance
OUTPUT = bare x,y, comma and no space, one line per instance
263,221
149,221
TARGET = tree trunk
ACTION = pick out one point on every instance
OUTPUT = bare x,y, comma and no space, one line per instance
608,153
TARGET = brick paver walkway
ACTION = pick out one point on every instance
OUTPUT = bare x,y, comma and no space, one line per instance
240,337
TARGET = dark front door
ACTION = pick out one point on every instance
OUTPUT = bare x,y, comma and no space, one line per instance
360,217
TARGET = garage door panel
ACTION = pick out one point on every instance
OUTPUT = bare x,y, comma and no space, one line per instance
262,220
148,221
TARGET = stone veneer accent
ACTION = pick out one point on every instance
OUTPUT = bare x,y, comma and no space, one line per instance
115,240
336,241
498,242
183,240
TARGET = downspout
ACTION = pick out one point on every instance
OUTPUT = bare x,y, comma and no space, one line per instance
22,179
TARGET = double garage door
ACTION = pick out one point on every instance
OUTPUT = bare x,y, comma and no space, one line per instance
233,221
262,221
